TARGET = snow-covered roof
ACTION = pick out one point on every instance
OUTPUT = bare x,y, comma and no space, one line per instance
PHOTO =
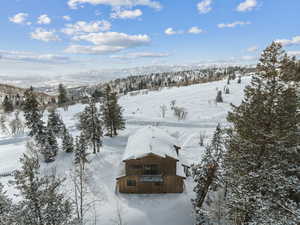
150,140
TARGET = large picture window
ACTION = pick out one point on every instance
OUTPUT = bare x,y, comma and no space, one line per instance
151,169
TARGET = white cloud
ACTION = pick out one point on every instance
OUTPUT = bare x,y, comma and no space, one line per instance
126,14
247,5
195,30
286,42
115,3
66,18
232,25
135,55
107,42
44,35
293,53
92,49
171,31
252,49
44,19
192,30
204,6
32,57
19,18
114,39
81,27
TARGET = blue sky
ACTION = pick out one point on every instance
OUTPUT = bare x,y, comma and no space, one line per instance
68,36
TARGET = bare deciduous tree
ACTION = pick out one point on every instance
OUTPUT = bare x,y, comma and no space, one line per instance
202,137
16,125
163,110
180,113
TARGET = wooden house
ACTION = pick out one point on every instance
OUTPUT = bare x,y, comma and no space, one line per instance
151,164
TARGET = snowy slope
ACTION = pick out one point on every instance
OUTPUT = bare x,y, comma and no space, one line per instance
139,111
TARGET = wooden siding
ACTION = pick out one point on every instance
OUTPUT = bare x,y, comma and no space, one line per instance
134,170
171,184
167,166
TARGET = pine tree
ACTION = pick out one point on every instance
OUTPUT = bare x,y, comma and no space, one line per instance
42,201
33,116
207,175
227,91
55,123
49,148
90,125
107,112
62,95
97,94
118,120
219,98
67,142
7,105
112,113
6,208
263,156
81,154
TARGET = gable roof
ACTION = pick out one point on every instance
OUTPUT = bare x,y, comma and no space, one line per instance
149,140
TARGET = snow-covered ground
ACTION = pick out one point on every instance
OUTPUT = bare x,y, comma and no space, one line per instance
168,209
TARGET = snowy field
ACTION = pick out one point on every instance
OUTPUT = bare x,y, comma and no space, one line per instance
168,209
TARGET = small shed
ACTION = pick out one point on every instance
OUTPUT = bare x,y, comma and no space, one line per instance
151,164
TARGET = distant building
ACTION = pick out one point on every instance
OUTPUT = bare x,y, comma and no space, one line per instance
151,164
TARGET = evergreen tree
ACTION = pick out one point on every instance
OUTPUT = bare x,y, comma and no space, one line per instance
62,95
112,113
7,105
49,148
55,123
207,176
80,156
90,125
219,98
6,208
67,142
42,201
33,116
118,120
97,94
227,91
263,156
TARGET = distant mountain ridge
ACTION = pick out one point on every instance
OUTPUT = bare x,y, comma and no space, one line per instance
99,76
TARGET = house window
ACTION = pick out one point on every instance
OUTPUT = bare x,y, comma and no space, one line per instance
131,183
151,169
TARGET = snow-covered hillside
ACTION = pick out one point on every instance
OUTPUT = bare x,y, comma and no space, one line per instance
169,209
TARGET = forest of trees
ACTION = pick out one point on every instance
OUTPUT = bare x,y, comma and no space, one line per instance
43,201
254,164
